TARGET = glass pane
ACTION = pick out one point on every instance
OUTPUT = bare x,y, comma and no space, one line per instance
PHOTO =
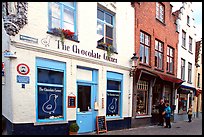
68,16
113,101
113,85
147,55
68,26
69,4
100,28
156,45
147,40
55,23
141,102
84,98
100,14
168,50
109,31
141,37
171,65
141,52
109,19
160,60
50,102
55,10
50,76
171,52
161,47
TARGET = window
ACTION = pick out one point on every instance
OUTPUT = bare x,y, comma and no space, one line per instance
188,20
159,54
62,15
170,59
182,69
198,83
190,44
142,98
50,91
9,8
189,72
160,11
183,38
144,47
105,27
114,95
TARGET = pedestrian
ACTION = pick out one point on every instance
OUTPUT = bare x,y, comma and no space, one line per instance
161,107
189,113
167,115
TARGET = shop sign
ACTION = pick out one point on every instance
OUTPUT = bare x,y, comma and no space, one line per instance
23,69
23,79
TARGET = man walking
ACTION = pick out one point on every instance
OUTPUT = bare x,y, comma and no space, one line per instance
161,107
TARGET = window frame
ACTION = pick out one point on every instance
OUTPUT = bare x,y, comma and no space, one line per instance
159,12
114,76
62,7
190,44
182,69
105,24
170,57
157,64
198,82
188,20
189,72
183,39
53,66
143,59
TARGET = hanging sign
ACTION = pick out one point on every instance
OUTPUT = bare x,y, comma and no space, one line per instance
23,69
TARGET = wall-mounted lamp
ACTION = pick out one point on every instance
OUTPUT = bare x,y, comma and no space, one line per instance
134,64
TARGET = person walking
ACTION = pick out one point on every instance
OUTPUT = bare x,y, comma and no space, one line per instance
189,113
167,115
161,107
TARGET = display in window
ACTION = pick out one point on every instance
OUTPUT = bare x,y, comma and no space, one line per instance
141,103
182,103
112,104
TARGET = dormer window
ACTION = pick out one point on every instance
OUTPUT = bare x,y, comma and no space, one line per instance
160,11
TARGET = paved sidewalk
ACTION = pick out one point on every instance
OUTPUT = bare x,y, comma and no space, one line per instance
178,128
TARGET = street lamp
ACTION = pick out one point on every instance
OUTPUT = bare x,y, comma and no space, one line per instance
134,64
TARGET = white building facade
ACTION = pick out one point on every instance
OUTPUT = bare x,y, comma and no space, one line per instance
186,61
51,81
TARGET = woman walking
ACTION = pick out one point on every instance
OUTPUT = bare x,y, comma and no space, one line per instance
167,115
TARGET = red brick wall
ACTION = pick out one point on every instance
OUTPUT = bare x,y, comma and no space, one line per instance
145,20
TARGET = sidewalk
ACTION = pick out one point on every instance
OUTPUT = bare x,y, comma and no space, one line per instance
178,128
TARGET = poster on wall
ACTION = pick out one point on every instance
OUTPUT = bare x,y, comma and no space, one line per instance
112,104
50,102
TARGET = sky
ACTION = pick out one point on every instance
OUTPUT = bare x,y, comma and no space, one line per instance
197,14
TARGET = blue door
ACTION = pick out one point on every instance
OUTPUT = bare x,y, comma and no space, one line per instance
86,115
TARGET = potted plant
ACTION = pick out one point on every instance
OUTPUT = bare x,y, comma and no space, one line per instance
73,129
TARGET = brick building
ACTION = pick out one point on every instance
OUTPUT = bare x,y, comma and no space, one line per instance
156,42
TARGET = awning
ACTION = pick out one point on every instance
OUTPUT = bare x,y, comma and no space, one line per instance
164,77
186,89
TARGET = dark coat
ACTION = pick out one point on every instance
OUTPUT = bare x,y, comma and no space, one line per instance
161,108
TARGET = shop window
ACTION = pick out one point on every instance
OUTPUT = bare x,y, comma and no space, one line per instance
142,98
159,54
50,92
105,29
62,15
144,48
156,96
182,104
114,95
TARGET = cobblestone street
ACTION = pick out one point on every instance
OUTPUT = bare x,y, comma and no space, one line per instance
178,128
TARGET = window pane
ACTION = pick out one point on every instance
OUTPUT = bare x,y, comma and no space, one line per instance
171,52
55,10
160,60
69,4
100,14
113,101
146,40
141,37
156,58
100,28
109,31
68,16
108,19
156,45
50,76
113,85
147,55
55,23
141,52
68,26
171,65
168,50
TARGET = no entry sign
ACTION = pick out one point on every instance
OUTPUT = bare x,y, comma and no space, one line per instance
23,69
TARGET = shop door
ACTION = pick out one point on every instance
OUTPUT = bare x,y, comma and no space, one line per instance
85,107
